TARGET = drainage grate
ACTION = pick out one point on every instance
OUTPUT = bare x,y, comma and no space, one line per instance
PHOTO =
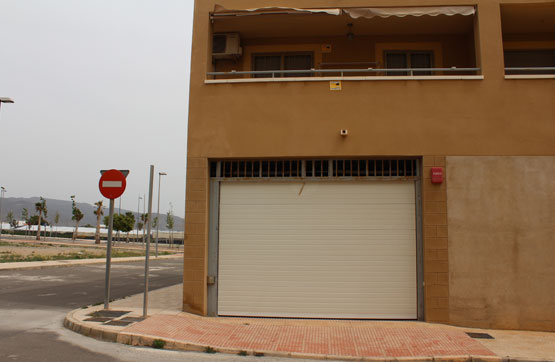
479,335
108,313
117,323
338,168
98,319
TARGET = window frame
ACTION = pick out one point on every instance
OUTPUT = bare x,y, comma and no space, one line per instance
408,57
282,56
434,46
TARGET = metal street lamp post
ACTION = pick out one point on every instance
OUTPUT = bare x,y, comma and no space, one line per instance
2,189
160,174
2,192
144,222
144,212
138,216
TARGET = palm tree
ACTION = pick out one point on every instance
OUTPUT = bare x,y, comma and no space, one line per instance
98,212
55,222
77,216
170,224
40,207
25,217
11,221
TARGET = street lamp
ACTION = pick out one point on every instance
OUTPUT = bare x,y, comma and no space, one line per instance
5,100
160,174
2,192
144,223
138,216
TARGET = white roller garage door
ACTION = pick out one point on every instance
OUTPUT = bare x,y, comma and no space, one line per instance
317,249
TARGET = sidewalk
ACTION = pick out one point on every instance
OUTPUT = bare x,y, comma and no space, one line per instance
313,339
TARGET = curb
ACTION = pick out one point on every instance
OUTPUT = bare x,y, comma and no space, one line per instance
145,340
67,263
100,333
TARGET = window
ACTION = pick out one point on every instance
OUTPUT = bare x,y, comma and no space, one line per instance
530,59
295,61
409,59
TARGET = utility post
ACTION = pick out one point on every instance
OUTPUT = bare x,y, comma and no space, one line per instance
138,217
147,256
160,174
2,192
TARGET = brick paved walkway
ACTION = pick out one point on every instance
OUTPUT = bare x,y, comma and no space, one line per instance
335,338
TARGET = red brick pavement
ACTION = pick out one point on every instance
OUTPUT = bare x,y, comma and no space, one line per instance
337,338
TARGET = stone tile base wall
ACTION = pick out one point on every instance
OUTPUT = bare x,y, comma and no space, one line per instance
196,236
502,241
436,264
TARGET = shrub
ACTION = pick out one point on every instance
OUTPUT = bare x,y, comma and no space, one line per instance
158,343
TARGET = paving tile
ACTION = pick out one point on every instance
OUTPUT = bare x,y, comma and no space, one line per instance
132,319
338,338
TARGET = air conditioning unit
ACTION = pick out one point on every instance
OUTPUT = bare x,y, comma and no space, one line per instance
226,46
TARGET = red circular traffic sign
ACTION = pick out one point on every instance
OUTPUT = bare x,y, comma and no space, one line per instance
112,184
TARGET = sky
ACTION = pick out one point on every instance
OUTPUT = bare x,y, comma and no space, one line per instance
97,84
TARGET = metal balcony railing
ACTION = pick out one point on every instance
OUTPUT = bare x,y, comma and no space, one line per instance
342,72
530,70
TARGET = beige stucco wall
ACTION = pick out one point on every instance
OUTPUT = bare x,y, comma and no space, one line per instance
399,117
501,219
429,118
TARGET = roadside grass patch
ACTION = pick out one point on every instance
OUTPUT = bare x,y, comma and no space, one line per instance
8,257
210,350
243,353
20,245
158,343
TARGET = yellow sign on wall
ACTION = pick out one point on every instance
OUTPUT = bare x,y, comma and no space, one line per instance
335,85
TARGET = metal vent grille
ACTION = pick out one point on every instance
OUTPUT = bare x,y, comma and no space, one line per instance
374,168
336,168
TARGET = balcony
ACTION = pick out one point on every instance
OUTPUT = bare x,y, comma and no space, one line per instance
528,40
285,44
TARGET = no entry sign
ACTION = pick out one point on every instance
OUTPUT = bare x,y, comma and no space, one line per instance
112,184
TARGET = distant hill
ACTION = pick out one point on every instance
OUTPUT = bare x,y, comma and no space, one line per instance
16,205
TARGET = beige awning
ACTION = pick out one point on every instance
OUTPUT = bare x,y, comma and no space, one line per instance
370,13
220,10
354,13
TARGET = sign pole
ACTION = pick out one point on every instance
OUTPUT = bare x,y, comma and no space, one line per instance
149,230
111,185
108,256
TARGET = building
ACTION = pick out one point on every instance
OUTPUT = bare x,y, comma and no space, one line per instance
373,159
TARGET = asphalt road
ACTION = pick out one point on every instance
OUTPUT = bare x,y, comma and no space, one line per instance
33,304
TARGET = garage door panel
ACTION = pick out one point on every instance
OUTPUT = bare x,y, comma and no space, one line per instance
323,212
316,193
337,250
317,248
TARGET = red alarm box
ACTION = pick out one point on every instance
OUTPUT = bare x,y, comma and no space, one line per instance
437,175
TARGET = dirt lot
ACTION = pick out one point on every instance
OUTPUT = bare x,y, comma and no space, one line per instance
12,251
